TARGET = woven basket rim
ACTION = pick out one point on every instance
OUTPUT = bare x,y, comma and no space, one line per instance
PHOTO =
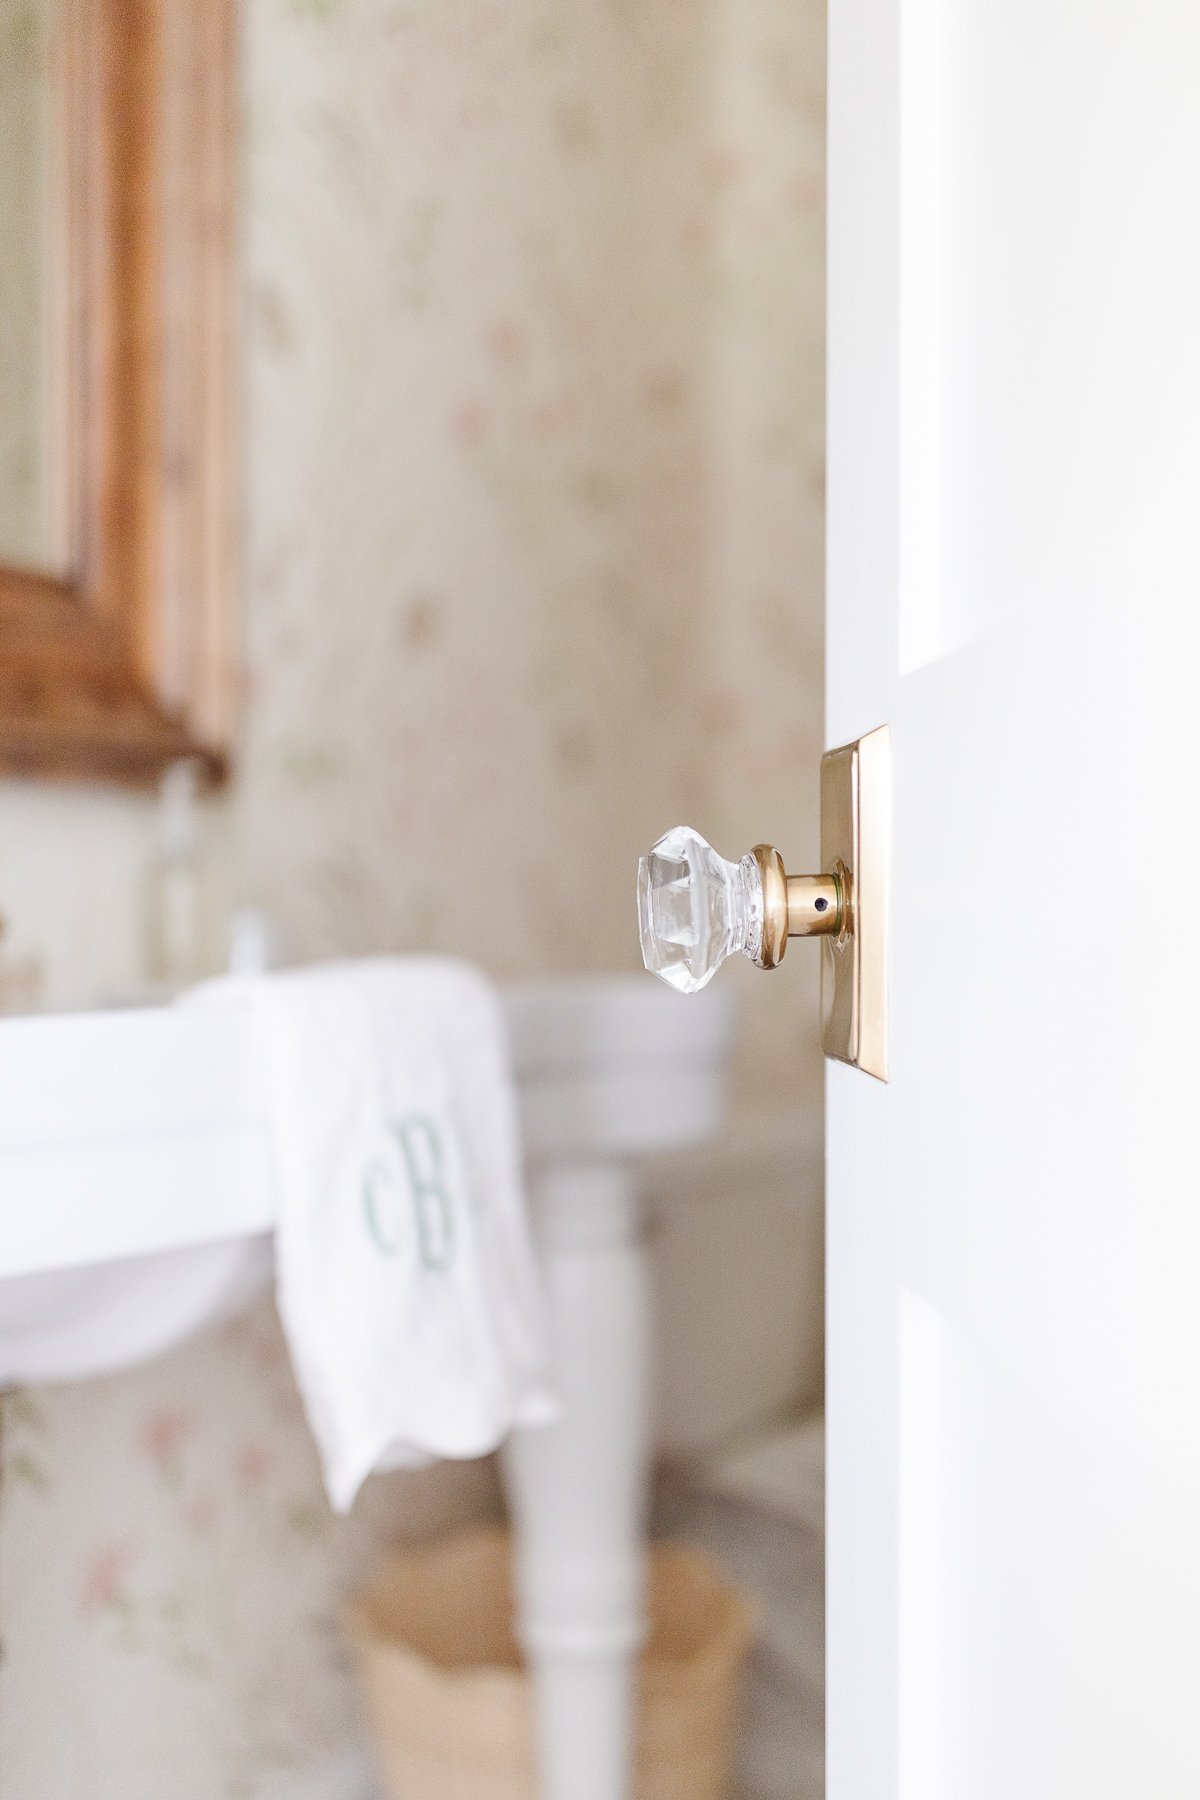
736,1625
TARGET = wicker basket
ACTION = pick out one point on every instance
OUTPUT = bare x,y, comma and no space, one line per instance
450,1703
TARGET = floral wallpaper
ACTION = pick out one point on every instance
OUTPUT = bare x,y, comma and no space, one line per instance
172,1582
533,566
535,303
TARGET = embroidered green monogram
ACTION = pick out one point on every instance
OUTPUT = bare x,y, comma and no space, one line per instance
430,1203
431,1200
380,1207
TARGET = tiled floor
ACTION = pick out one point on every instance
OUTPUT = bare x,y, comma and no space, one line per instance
760,1515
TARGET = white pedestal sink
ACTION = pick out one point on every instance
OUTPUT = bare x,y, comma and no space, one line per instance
606,1071
132,1136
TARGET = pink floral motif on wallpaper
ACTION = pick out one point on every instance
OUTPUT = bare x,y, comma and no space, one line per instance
253,1465
104,1583
201,1513
505,342
164,1435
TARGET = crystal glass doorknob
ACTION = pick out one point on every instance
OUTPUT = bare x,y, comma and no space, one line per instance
695,908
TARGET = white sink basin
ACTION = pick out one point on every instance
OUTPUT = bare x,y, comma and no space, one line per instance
136,1194
616,1067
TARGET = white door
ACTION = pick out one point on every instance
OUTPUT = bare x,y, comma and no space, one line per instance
1014,581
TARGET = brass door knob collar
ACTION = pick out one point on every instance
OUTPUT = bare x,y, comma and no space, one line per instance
795,906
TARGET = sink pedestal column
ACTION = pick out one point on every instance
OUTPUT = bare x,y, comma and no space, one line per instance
579,1488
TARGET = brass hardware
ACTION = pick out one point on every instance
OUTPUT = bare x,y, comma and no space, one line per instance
793,906
774,905
814,905
847,906
855,842
695,908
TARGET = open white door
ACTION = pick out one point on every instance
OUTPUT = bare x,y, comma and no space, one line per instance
1014,579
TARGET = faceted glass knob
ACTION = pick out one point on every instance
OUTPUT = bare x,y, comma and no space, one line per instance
695,909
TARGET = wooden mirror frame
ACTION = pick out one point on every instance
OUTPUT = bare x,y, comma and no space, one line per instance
130,660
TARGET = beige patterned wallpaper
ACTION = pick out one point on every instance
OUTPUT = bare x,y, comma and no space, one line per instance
533,570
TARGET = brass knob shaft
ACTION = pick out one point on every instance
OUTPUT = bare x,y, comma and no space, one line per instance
794,906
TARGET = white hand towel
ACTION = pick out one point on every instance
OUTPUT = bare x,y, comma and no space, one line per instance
404,1270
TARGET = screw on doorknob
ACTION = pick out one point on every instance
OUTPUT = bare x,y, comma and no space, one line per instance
695,908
